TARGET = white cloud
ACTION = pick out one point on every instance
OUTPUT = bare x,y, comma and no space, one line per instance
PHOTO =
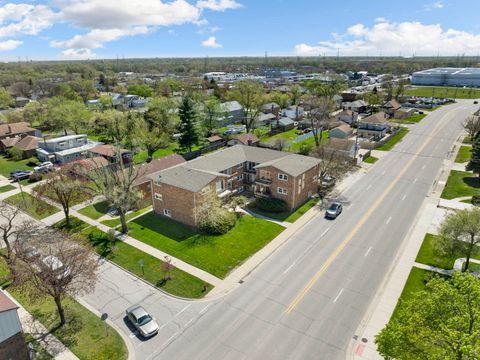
391,38
9,45
218,5
25,19
78,54
211,42
434,6
95,38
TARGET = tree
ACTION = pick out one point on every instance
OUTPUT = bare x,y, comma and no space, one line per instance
460,234
111,123
84,88
142,90
63,266
34,113
63,188
188,127
212,111
5,99
279,98
474,163
472,126
250,94
20,88
12,229
319,115
211,217
439,323
63,114
374,99
117,185
157,126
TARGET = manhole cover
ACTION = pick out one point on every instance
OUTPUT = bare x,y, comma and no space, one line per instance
364,340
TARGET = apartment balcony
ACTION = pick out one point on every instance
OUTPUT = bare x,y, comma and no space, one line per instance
263,181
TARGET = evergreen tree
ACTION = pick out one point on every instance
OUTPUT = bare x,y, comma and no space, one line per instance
474,163
188,126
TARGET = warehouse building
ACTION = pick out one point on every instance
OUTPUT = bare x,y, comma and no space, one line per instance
448,77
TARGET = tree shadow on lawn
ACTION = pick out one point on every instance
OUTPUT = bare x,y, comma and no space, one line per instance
471,181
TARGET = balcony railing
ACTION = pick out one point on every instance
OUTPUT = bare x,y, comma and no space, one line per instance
263,181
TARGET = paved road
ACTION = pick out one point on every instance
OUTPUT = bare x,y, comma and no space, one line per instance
308,299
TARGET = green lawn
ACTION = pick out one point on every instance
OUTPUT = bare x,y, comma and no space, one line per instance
414,119
464,154
116,222
290,217
371,160
289,135
394,140
427,254
8,165
449,92
40,352
461,183
33,206
181,284
95,211
141,157
467,140
84,334
216,254
6,188
417,281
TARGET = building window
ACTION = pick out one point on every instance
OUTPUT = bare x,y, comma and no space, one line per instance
239,177
158,196
167,212
219,186
283,177
282,191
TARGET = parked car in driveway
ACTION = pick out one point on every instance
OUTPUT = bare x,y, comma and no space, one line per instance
142,320
43,167
15,172
25,174
333,210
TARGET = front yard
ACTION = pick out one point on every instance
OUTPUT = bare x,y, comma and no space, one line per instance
95,211
116,222
8,165
461,183
84,334
6,188
290,217
33,206
217,255
464,154
394,140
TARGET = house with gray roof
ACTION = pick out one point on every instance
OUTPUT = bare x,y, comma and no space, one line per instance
233,113
178,190
65,149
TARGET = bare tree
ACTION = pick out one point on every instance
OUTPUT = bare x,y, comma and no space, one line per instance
11,230
472,125
250,94
117,184
61,266
62,187
319,115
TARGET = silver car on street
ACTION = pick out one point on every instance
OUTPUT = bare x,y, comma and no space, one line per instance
142,320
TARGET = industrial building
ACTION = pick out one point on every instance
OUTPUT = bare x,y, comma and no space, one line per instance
457,77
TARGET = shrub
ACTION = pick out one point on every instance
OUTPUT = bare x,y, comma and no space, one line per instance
217,222
476,200
15,153
271,205
305,149
34,177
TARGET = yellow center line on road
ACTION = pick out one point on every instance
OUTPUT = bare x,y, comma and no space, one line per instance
362,222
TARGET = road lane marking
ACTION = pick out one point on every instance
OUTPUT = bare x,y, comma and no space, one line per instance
338,295
415,180
384,172
368,251
368,187
404,197
359,225
423,167
305,252
388,220
181,311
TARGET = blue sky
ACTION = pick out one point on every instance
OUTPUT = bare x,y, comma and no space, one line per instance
75,29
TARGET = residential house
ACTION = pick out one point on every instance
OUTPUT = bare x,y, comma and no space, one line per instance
17,129
233,111
110,153
341,132
21,101
265,119
337,99
404,113
143,183
65,149
373,127
271,108
342,147
390,107
78,168
283,124
262,172
294,112
359,106
12,341
27,145
245,139
347,116
215,140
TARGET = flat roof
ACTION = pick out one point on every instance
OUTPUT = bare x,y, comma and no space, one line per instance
449,71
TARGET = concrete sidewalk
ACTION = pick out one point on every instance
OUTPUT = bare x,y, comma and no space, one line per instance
41,334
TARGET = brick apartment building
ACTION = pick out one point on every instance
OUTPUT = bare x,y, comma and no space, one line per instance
12,341
239,169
